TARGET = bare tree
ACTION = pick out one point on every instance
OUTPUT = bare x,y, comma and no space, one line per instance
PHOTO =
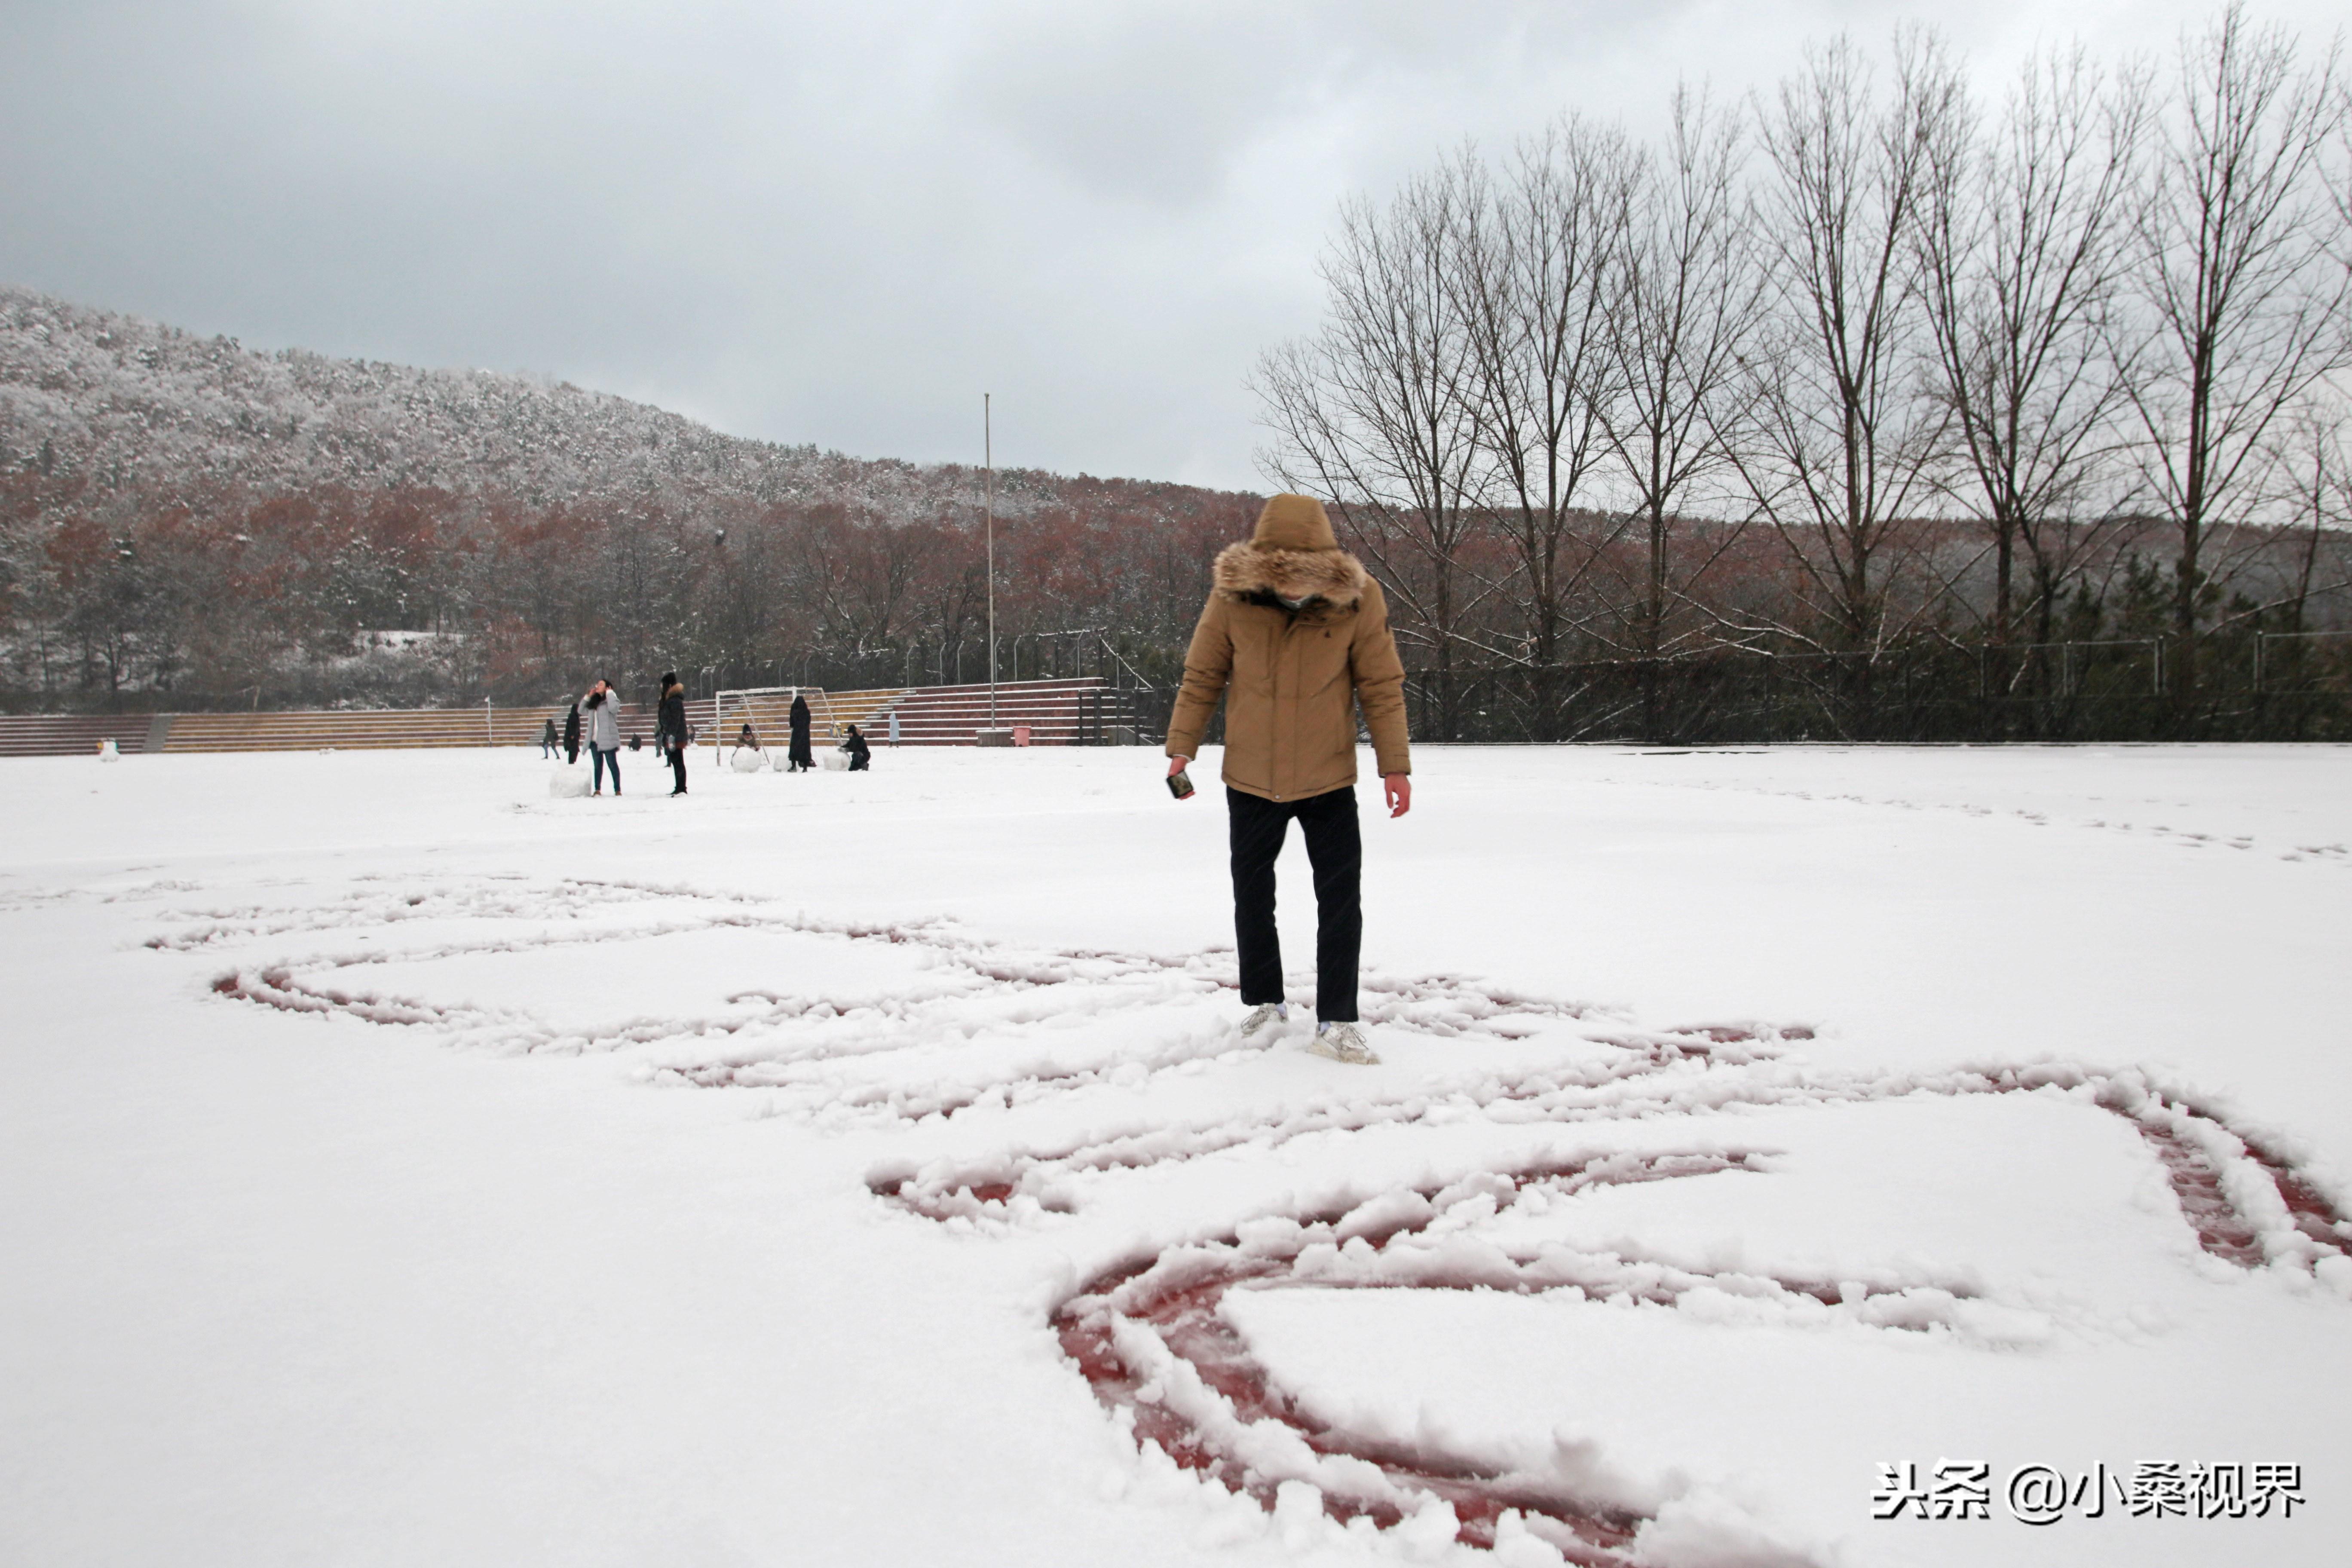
2241,284
1379,411
2319,480
1535,264
1686,302
2021,257
1840,449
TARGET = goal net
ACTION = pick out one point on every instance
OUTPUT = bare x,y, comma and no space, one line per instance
768,709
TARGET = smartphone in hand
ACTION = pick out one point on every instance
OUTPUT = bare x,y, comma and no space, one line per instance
1180,784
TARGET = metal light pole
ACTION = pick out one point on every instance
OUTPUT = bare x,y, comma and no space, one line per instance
988,480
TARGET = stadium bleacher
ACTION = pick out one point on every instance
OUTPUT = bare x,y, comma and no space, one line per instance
1053,710
68,734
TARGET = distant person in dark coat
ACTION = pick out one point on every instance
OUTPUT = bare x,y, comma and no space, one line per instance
603,719
860,753
799,758
547,740
572,734
670,727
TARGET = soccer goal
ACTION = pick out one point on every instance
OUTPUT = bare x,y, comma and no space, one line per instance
768,709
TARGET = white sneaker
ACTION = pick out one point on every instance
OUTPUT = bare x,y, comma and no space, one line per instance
1342,1043
1263,1016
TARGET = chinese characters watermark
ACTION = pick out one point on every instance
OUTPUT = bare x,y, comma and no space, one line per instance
2042,1494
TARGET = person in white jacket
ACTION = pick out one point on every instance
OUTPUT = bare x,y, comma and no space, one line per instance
600,710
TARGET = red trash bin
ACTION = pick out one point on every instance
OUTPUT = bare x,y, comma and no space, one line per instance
1020,734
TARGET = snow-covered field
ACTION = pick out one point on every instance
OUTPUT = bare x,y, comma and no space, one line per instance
403,1166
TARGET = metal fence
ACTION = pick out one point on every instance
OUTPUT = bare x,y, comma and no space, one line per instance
2250,685
2267,687
2257,686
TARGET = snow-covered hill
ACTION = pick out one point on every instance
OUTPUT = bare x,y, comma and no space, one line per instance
191,521
128,402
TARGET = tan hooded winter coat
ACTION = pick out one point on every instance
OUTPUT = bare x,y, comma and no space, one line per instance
1292,678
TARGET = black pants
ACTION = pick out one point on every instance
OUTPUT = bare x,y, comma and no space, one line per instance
1335,849
677,765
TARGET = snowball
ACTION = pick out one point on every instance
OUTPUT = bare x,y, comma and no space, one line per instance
568,782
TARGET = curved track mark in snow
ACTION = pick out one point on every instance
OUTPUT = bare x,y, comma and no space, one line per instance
2223,1229
779,1039
276,987
1152,1342
1671,1068
2194,1148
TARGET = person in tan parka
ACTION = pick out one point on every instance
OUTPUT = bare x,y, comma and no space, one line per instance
1294,637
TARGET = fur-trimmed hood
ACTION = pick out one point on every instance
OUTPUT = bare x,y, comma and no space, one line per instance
1292,555
1254,572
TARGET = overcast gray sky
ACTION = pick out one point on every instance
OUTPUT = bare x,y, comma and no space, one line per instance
839,223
